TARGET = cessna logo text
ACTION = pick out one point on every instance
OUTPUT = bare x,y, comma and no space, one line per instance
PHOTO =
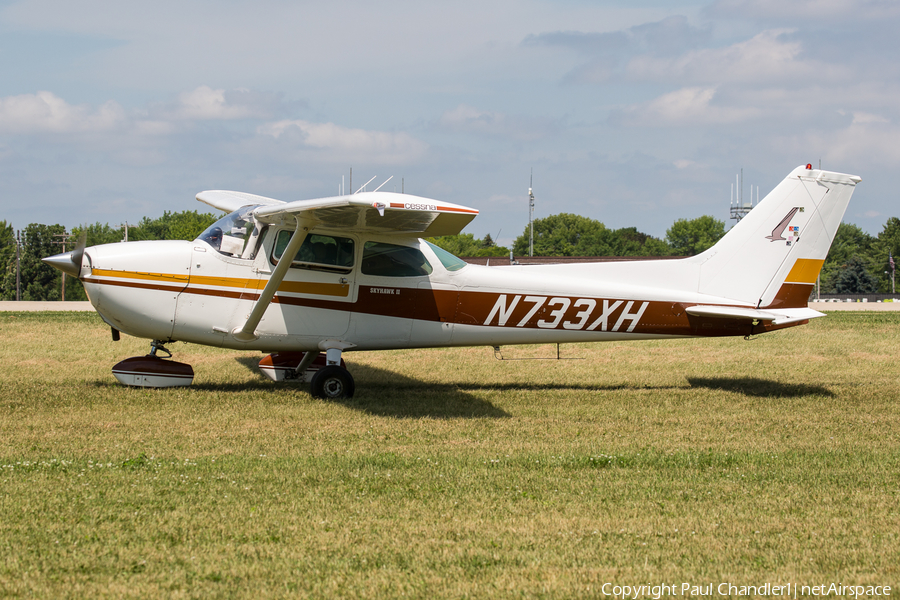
587,313
414,206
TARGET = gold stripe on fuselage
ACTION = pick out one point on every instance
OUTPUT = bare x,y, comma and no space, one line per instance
290,287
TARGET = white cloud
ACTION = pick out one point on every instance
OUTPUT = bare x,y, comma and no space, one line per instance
334,142
687,106
468,119
45,112
860,117
807,9
765,58
867,142
205,103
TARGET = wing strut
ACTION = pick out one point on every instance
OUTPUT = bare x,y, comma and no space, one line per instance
247,333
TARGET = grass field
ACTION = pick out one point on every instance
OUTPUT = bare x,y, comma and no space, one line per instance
451,474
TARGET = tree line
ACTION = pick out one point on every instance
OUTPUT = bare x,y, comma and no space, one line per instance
38,281
857,263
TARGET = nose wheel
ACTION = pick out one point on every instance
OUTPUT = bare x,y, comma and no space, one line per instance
152,370
332,382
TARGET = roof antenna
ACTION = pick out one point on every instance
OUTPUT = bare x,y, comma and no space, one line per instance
382,185
364,185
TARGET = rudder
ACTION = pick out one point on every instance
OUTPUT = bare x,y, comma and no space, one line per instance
772,257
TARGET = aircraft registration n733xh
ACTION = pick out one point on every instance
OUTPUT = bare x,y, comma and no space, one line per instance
361,278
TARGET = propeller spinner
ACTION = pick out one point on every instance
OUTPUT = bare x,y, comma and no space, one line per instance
69,262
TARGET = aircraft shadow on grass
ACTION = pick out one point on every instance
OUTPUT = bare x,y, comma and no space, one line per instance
761,388
390,394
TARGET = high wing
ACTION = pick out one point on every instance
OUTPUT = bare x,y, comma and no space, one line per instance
376,212
368,212
231,201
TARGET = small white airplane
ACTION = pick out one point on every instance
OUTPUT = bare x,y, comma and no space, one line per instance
361,278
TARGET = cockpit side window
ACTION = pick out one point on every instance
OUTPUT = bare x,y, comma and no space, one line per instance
391,260
229,235
318,252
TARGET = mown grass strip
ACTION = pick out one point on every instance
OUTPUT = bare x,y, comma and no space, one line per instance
451,474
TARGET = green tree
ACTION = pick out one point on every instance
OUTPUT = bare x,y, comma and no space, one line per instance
885,246
573,235
466,244
850,243
38,280
98,233
185,225
564,234
688,237
628,241
7,262
855,278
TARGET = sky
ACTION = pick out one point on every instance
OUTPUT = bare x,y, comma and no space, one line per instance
634,113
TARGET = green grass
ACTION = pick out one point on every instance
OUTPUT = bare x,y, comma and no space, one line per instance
451,474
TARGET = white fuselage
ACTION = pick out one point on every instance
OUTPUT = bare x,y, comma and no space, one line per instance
189,291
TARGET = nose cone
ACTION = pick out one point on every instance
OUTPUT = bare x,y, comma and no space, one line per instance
69,262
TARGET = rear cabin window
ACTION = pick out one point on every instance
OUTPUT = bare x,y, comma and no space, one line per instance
390,260
318,252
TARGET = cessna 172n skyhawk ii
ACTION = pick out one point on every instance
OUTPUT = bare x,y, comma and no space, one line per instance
359,277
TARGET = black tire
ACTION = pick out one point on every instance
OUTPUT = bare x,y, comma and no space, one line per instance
332,383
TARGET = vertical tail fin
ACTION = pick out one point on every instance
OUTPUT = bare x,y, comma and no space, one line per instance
772,257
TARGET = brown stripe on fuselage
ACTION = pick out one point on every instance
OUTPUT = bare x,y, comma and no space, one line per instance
474,308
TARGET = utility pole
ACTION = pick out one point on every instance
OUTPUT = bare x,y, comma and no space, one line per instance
62,242
531,215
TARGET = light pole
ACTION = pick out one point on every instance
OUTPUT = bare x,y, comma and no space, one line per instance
531,216
891,262
18,279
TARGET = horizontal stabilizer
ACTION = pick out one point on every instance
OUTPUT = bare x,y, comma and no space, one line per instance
776,317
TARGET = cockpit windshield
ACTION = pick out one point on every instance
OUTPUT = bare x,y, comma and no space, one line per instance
229,235
450,262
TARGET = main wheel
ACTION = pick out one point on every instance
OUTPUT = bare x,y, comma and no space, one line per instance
331,383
